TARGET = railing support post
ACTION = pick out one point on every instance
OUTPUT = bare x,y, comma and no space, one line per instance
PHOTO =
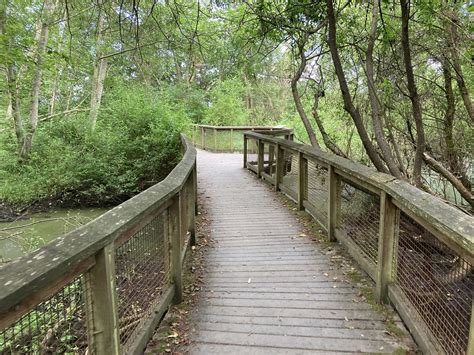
203,138
195,180
174,230
388,235
215,140
245,151
280,154
193,202
302,172
260,150
334,202
101,304
231,140
470,345
271,158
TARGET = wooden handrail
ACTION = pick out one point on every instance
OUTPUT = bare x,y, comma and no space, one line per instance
449,225
32,279
224,138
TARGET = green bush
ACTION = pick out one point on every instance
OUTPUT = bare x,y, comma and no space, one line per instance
136,143
227,107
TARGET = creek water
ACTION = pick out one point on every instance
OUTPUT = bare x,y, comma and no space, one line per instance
25,235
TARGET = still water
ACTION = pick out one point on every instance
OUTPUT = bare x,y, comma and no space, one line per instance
23,236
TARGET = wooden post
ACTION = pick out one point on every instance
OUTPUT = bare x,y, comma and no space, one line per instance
101,304
231,140
280,155
195,179
174,230
334,203
388,236
271,158
203,139
470,345
192,211
302,172
215,139
245,151
261,156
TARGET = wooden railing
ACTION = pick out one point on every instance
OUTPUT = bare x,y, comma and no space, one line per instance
103,288
230,138
417,249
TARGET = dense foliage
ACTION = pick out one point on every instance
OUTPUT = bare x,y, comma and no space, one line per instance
135,144
93,94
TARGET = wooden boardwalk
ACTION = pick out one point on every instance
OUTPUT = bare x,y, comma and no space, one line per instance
267,289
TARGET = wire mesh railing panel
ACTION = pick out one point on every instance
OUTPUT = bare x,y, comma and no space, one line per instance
55,326
185,192
268,158
360,214
437,282
227,141
210,142
142,276
237,141
318,189
252,152
197,136
290,172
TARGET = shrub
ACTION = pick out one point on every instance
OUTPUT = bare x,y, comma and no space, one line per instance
136,143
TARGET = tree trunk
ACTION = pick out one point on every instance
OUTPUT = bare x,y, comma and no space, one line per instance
15,107
348,104
450,153
48,9
453,39
297,98
374,100
333,147
441,169
100,72
413,92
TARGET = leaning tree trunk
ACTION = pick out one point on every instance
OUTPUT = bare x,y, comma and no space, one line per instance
328,142
413,92
100,72
346,95
297,98
453,39
374,100
48,9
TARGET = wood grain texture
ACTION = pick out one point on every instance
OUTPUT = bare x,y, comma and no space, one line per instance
267,289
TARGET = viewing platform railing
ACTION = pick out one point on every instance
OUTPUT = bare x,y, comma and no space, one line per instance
418,250
103,288
230,139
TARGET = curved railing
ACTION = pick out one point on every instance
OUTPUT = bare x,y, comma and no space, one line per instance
417,249
230,139
103,287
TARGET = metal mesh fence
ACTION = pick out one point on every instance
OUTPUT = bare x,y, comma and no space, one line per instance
269,159
252,149
197,137
289,179
318,188
437,282
142,276
185,208
360,213
228,141
55,326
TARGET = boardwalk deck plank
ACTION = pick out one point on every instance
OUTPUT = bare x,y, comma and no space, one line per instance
267,290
